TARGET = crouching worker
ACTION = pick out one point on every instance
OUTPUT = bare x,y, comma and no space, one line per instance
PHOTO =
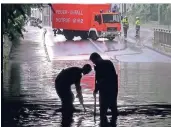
63,83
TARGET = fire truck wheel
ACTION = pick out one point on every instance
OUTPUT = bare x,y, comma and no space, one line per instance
93,36
111,38
69,37
84,36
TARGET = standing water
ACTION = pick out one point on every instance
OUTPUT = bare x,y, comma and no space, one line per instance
30,98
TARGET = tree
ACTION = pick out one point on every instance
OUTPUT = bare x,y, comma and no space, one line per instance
168,15
13,18
149,12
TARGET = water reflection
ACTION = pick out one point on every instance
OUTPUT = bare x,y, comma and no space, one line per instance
79,122
109,123
139,83
144,83
67,119
15,80
12,81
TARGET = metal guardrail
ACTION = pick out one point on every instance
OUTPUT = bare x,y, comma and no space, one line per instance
162,36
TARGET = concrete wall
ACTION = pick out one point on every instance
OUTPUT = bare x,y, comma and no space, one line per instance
35,12
44,15
47,16
7,45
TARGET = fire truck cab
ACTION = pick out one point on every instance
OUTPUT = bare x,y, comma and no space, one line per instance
105,25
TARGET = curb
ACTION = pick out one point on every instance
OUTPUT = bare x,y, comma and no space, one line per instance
115,56
157,51
130,41
44,35
102,51
160,52
152,49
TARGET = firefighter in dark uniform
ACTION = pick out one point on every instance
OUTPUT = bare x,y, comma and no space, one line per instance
63,83
107,85
125,25
137,26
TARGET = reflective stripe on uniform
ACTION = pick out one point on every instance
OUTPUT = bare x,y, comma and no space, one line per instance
137,22
125,22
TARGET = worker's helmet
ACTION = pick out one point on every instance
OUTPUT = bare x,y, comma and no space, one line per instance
126,17
137,18
86,68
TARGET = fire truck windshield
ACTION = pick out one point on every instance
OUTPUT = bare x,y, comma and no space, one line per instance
111,18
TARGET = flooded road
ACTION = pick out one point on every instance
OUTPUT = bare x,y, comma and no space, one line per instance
30,99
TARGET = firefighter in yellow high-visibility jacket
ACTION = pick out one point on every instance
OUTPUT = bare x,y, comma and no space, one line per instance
125,25
137,26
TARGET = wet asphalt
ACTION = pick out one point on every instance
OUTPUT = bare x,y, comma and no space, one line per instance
30,99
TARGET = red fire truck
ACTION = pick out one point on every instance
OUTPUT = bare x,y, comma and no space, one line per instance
86,20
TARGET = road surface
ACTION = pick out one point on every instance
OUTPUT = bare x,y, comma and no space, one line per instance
30,98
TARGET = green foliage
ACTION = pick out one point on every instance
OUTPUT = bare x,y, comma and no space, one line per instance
14,17
167,15
149,12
